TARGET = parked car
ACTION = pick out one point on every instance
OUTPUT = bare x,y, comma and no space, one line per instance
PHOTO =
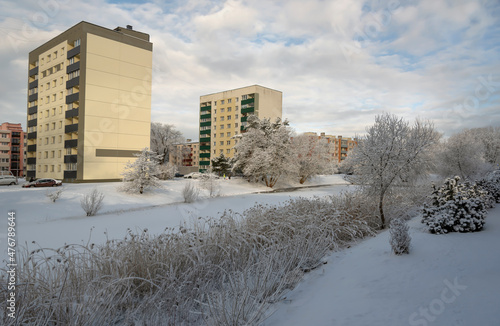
43,183
8,180
178,175
193,175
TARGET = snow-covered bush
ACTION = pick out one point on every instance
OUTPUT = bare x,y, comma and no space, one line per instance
167,171
142,173
190,192
210,182
92,202
455,207
491,184
399,236
54,195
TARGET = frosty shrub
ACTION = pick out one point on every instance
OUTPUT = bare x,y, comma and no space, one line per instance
53,195
167,171
399,236
210,182
92,202
190,192
455,207
491,184
216,271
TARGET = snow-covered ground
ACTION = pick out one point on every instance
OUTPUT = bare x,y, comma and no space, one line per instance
53,225
451,279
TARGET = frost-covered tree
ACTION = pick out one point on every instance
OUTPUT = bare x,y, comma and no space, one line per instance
164,137
463,154
490,139
264,151
142,173
312,156
393,152
221,164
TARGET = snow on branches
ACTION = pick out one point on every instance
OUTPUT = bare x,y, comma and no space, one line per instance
142,173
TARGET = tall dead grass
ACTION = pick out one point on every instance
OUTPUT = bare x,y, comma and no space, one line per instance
215,271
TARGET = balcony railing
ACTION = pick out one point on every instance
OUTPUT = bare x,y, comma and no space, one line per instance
71,128
205,116
31,148
31,160
74,51
32,123
248,110
32,135
33,109
33,84
247,101
205,155
33,71
204,147
69,174
205,140
32,97
72,113
204,132
205,108
70,158
206,124
72,98
71,143
204,162
73,82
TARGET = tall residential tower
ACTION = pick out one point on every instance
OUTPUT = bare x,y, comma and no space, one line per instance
223,116
89,103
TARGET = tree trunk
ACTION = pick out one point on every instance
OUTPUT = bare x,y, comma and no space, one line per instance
381,210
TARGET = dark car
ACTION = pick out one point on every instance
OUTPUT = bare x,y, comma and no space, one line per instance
178,175
43,183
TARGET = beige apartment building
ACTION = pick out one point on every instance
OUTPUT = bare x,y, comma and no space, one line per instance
12,139
340,146
185,156
223,116
89,103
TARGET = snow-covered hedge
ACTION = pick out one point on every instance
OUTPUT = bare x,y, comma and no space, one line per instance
491,184
456,207
400,238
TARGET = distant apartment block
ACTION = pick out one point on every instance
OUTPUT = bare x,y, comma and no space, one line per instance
12,148
224,115
340,146
89,103
185,154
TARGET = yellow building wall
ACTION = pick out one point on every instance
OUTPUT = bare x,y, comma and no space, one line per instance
117,105
51,113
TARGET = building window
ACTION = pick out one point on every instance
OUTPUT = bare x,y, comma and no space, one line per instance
228,125
228,100
228,151
229,109
244,97
222,134
222,109
228,135
222,143
221,102
236,108
236,125
228,117
221,151
215,103
77,42
221,127
215,119
52,154
221,118
237,99
228,142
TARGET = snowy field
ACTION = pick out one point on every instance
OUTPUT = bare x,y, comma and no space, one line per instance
53,225
449,279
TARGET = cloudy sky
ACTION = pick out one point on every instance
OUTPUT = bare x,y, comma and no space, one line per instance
338,63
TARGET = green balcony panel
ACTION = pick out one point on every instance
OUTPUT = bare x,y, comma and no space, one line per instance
205,108
206,116
243,119
247,101
204,132
204,147
204,162
205,140
205,155
206,124
247,110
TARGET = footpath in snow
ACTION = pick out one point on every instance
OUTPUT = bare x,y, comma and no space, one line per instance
451,279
